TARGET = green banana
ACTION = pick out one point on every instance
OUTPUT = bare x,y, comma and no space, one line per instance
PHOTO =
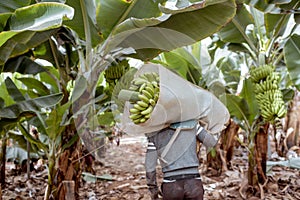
144,98
147,93
137,106
142,104
267,92
147,111
147,85
134,111
135,116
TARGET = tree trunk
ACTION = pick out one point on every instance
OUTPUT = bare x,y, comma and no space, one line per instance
69,166
291,127
252,173
3,160
257,159
229,141
261,149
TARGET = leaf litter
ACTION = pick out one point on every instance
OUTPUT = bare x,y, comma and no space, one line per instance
121,176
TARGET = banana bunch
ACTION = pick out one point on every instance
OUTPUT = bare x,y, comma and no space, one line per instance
259,73
270,83
123,83
116,70
267,92
147,85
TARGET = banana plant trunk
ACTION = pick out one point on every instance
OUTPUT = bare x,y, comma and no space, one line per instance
3,161
69,167
291,128
261,144
257,160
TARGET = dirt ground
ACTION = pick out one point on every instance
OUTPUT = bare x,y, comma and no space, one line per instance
122,177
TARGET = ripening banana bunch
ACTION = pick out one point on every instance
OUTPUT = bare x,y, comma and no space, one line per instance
267,92
116,70
147,86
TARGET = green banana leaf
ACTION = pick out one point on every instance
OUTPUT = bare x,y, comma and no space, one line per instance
238,109
51,78
4,95
31,139
3,20
13,91
34,84
183,62
273,22
22,64
55,121
176,63
273,5
112,12
23,24
46,16
52,53
248,94
30,105
234,32
180,27
77,23
7,6
230,68
292,58
21,43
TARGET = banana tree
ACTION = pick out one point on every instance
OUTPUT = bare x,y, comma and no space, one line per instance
260,35
144,35
19,109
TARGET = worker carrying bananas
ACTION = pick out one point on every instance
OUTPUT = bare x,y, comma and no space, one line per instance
175,149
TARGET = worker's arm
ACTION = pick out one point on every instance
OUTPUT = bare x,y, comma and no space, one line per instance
150,165
207,139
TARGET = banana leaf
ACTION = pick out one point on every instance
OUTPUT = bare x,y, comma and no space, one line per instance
292,163
234,32
77,23
292,58
34,84
13,91
238,109
177,28
22,64
46,16
112,12
24,23
7,6
30,105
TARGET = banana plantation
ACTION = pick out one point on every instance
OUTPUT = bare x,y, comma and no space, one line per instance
83,81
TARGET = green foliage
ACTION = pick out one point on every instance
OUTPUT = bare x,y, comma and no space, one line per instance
20,35
292,58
